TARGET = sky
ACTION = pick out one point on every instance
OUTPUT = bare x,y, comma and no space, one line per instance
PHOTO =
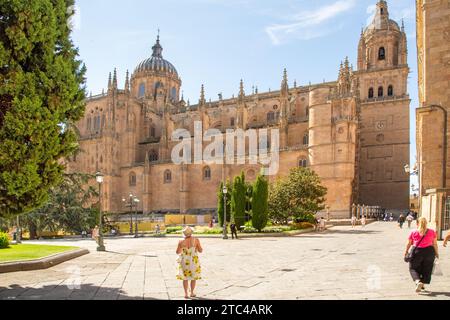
219,42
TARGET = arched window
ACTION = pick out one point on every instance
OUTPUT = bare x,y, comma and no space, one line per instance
88,125
232,122
271,117
153,156
307,112
303,163
207,173
152,132
371,94
306,139
132,179
173,94
167,176
141,92
382,54
390,91
380,92
158,85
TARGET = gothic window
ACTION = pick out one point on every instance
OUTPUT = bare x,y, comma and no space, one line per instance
232,122
381,54
380,92
390,91
103,121
96,123
141,92
307,112
207,173
88,126
173,94
382,11
132,179
153,156
306,139
152,132
371,93
270,117
167,176
303,163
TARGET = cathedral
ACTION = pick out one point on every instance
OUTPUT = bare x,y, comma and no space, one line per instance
353,132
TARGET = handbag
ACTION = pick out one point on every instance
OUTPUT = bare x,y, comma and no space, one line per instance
437,270
410,256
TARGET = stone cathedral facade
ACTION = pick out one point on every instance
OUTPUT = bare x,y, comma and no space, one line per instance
353,132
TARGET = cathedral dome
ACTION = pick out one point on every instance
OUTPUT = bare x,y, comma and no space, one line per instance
156,63
381,19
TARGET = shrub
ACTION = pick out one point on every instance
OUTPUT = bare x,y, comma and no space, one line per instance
4,240
302,226
173,229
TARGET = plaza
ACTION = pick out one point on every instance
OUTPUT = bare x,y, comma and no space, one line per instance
339,264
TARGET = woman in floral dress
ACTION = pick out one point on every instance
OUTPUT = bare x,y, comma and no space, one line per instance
189,265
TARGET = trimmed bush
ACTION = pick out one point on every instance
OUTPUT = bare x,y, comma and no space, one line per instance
4,240
174,230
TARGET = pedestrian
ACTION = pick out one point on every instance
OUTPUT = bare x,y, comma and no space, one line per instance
409,219
354,221
401,221
447,239
233,230
157,229
363,221
95,233
83,234
189,269
211,224
322,224
423,242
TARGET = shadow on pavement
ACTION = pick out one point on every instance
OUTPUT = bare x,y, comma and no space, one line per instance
65,292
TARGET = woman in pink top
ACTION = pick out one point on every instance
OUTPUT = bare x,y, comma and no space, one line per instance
424,242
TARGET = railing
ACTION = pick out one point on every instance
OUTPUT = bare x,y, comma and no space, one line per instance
385,98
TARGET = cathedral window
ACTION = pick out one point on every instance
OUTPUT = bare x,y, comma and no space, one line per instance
306,139
207,173
167,176
371,94
132,179
390,91
270,117
153,156
303,163
381,54
141,92
88,125
152,132
232,122
380,92
173,94
307,113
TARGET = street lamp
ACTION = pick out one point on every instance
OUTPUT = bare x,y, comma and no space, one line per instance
130,205
99,178
136,201
225,191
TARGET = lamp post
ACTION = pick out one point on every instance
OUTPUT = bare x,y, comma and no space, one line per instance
130,205
18,232
136,231
99,178
225,191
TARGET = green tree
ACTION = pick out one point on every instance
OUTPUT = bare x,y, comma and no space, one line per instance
68,208
42,94
300,196
259,203
238,200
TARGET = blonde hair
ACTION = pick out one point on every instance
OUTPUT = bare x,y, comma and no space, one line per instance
422,224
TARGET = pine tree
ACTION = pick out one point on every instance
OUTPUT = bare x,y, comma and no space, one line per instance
238,201
259,203
41,96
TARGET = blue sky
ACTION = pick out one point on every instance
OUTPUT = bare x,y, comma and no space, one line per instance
218,42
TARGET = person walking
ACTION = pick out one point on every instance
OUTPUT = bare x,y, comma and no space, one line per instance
409,219
354,221
96,233
363,221
447,239
322,224
401,221
189,269
233,230
423,242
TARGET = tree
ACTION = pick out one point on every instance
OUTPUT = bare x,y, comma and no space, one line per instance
68,208
220,202
300,195
238,200
259,203
41,96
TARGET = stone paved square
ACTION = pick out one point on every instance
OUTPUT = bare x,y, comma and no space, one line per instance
340,263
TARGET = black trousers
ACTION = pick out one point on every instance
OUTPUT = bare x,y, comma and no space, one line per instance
234,234
421,267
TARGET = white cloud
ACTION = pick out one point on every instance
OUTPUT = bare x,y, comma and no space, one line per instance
304,25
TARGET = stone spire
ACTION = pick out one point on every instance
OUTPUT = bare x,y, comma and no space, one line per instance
241,91
403,25
157,48
127,82
284,83
114,84
109,81
202,100
381,19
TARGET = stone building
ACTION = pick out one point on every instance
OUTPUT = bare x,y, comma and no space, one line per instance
354,132
433,47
